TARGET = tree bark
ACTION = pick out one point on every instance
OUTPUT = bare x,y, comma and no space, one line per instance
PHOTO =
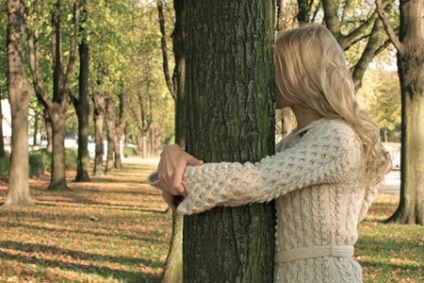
110,126
81,104
119,129
20,92
173,269
2,151
49,130
228,89
410,46
99,116
58,177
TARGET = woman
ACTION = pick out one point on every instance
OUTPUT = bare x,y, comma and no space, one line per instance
323,176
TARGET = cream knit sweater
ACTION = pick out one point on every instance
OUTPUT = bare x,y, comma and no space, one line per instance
317,181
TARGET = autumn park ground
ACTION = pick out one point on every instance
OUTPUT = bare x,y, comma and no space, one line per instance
116,229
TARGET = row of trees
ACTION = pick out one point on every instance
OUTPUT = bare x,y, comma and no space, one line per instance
101,57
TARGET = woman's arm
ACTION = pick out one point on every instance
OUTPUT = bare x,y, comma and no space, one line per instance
327,154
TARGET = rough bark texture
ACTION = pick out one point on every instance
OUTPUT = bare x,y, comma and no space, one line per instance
81,105
19,95
228,91
410,67
58,177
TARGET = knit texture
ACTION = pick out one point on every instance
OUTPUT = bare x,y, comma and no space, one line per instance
316,177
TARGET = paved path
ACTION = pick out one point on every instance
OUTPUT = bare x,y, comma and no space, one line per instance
391,181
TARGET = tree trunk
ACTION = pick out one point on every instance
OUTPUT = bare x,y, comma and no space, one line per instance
35,134
19,95
49,130
229,88
110,126
58,176
172,271
119,129
2,151
410,68
82,105
99,117
117,149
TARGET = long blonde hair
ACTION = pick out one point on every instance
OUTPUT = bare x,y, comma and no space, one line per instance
311,70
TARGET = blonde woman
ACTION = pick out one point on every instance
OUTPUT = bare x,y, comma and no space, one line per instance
323,176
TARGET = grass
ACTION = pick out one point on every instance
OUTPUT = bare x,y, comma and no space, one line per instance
115,229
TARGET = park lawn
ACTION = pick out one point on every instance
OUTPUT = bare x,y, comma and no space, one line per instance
115,229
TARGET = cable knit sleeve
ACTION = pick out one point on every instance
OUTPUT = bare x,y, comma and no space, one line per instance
327,153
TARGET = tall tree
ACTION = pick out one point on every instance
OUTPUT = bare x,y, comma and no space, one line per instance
81,103
119,126
110,127
409,44
173,269
20,92
59,104
3,74
229,85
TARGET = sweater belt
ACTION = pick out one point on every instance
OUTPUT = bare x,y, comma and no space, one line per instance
312,252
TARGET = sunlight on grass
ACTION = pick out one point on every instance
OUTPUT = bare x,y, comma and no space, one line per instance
389,252
115,229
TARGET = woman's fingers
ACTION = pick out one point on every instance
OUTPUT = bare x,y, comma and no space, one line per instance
171,168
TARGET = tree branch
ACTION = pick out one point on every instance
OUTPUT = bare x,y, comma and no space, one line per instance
388,27
161,19
32,40
348,39
73,48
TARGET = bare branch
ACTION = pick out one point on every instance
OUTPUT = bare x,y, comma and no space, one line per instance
388,27
161,20
73,48
348,39
33,46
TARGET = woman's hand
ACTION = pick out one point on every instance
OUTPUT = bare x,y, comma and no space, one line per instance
172,164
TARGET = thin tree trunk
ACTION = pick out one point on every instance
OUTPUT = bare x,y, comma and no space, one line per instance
49,130
172,271
82,106
119,129
228,90
118,149
20,92
35,134
2,151
98,117
110,126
